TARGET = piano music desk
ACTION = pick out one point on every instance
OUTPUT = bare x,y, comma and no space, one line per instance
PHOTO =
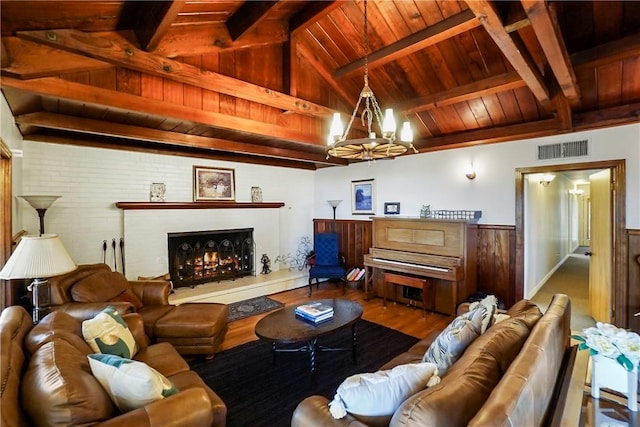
413,282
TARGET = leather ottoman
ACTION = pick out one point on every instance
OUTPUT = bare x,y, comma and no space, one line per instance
193,329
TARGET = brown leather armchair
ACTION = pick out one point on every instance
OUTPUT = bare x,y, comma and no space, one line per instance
46,378
192,328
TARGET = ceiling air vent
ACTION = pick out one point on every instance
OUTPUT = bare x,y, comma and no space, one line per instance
563,150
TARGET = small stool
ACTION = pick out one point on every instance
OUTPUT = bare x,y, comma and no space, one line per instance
193,328
411,281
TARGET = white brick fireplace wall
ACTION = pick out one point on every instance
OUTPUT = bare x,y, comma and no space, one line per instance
92,180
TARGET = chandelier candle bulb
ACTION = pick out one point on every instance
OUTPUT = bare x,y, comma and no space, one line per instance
336,128
389,123
406,134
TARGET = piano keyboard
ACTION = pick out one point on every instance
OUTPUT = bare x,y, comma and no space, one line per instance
410,264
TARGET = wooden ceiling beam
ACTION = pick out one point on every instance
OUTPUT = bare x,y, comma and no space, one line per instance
65,138
324,73
614,116
545,25
312,12
26,60
617,50
188,40
59,88
154,21
512,51
248,17
450,27
137,133
487,136
500,83
118,51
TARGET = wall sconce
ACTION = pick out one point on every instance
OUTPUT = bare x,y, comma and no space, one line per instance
546,179
471,174
576,192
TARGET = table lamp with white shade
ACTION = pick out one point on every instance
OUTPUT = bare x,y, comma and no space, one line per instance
38,257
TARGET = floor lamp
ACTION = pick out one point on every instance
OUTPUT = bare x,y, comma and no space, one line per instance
38,257
334,204
40,204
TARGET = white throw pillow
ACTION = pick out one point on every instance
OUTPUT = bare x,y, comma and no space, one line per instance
490,303
449,345
108,333
129,383
381,393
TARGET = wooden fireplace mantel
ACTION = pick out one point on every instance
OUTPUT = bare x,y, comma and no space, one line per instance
198,205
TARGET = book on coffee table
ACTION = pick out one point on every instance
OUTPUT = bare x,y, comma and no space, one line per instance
314,311
317,320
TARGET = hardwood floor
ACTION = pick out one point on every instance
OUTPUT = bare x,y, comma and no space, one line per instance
408,320
412,321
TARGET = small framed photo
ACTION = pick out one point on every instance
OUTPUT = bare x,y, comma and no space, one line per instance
213,184
363,197
392,208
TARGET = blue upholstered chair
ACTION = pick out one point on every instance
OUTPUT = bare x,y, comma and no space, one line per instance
328,263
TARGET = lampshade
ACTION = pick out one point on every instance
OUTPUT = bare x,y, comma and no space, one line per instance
40,202
334,203
38,257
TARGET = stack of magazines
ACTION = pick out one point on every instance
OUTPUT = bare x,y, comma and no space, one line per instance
314,312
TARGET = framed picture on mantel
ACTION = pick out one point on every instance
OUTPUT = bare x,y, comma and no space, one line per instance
213,184
363,197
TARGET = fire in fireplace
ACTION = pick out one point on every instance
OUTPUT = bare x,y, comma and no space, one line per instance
208,256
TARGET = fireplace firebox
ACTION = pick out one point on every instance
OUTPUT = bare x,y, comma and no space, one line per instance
197,257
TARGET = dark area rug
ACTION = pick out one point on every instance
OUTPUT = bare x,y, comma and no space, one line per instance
258,392
249,307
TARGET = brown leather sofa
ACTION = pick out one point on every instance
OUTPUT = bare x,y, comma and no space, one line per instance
192,328
46,378
511,375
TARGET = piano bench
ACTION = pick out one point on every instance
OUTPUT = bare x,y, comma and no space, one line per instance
411,281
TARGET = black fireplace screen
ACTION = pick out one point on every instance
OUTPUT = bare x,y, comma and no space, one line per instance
208,256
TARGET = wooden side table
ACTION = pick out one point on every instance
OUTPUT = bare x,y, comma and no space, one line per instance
411,281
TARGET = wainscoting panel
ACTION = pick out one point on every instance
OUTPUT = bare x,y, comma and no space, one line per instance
355,238
633,305
496,261
496,252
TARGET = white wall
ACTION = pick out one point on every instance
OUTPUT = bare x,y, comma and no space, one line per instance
91,180
438,178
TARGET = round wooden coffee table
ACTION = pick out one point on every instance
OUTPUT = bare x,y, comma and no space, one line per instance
284,327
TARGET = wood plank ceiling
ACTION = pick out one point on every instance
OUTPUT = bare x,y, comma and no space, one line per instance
257,81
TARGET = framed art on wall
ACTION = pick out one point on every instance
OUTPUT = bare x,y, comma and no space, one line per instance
363,197
213,184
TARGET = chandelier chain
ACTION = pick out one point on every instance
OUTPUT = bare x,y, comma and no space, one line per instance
366,45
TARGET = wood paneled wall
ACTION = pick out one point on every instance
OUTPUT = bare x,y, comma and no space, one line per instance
633,304
355,238
496,261
496,252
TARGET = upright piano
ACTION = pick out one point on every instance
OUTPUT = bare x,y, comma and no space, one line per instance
441,250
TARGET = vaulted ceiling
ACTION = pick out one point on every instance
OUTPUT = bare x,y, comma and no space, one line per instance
257,81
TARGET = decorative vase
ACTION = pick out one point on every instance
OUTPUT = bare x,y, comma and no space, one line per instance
256,194
156,192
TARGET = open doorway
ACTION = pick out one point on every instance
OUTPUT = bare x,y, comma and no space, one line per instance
558,240
617,259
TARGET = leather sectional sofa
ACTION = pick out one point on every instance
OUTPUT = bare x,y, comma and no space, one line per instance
192,328
47,380
515,374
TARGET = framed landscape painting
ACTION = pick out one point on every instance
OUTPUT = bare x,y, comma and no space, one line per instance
363,197
213,184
